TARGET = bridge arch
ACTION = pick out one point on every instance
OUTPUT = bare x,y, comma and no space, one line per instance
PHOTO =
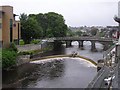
68,41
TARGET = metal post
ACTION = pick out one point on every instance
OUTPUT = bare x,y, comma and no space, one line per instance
117,54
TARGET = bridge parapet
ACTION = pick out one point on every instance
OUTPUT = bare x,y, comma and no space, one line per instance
82,38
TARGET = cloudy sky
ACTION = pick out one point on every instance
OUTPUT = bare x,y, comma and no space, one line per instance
75,12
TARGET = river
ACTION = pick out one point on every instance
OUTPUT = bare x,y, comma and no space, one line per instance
58,73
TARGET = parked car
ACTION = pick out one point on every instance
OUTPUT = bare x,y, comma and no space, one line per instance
107,80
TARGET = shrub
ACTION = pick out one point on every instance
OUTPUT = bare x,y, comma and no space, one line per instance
21,42
8,58
0,58
26,53
13,47
35,41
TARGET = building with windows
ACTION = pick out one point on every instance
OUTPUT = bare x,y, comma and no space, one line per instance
9,27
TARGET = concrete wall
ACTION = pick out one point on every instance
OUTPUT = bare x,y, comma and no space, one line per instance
6,16
28,47
22,59
15,30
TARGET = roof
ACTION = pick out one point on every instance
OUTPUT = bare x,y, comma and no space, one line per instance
117,19
6,6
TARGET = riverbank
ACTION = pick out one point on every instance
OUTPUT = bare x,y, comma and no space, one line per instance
14,56
74,69
50,74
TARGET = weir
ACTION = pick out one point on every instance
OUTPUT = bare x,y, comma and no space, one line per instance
60,56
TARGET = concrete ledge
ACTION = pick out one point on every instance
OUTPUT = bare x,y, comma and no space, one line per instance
28,47
22,59
56,56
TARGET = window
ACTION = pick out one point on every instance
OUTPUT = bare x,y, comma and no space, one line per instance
11,22
14,25
0,25
11,28
0,14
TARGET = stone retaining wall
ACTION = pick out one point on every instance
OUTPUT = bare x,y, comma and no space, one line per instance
22,59
28,47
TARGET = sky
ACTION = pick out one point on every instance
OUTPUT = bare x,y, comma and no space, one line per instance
75,12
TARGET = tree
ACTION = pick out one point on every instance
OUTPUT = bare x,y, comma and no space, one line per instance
43,22
53,24
70,33
78,33
49,33
94,31
57,24
23,19
29,28
42,25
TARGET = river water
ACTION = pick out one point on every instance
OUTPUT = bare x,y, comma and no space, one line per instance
56,73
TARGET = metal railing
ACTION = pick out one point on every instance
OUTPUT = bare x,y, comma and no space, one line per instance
106,53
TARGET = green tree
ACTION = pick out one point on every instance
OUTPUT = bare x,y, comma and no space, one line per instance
102,33
78,33
49,33
57,24
42,25
94,31
29,28
23,18
70,33
43,22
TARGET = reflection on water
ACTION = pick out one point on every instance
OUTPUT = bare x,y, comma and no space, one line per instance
59,73
87,50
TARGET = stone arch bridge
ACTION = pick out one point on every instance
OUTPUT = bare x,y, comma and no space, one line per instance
68,40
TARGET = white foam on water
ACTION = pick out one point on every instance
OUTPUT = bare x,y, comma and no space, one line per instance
82,61
47,60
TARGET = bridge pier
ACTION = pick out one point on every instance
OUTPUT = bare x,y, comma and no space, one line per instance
93,47
68,43
57,44
106,46
80,44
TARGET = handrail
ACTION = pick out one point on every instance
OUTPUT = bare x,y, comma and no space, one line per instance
105,54
81,38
